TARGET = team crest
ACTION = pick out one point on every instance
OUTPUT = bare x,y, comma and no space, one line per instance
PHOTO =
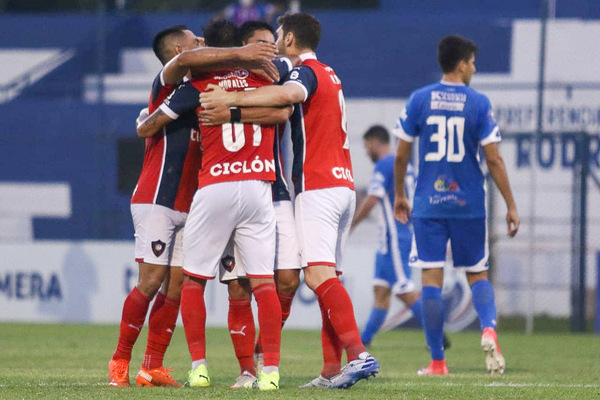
158,247
228,262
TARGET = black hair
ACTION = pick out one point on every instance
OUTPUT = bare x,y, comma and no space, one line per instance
158,43
377,132
452,49
222,33
249,27
305,27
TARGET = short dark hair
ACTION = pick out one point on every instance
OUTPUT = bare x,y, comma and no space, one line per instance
305,27
452,49
249,27
158,43
377,132
222,33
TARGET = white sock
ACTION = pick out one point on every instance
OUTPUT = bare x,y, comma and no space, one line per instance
363,355
270,368
197,363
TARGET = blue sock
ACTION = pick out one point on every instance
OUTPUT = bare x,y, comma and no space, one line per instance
485,303
375,321
417,310
433,320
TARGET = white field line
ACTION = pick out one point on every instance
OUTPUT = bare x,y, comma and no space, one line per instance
425,382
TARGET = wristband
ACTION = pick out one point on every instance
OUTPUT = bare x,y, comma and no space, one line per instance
236,115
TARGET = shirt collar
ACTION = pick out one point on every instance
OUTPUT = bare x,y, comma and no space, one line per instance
443,82
308,56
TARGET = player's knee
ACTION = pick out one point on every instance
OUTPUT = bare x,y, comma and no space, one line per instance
238,291
149,286
288,283
475,277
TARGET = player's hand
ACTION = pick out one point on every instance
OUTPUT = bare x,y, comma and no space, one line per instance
402,209
512,221
218,115
143,115
268,71
215,96
258,52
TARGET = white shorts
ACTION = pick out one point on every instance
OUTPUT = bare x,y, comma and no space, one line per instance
323,219
287,255
243,209
158,234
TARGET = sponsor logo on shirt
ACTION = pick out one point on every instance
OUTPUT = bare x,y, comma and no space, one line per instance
442,184
243,167
238,73
448,101
342,173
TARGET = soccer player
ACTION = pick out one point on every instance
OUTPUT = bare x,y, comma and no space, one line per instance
160,204
392,272
325,198
233,196
452,121
287,258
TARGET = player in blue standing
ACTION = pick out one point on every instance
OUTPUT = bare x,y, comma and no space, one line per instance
452,121
392,272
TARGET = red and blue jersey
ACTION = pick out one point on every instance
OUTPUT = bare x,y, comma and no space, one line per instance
171,160
232,151
319,133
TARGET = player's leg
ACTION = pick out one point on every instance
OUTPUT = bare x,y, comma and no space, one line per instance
470,251
429,253
287,263
242,330
323,220
378,313
255,242
209,226
163,317
153,235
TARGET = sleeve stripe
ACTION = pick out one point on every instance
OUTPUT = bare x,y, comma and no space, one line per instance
493,137
302,86
399,132
170,113
162,78
288,62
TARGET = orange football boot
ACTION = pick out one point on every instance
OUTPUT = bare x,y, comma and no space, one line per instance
436,367
118,373
156,377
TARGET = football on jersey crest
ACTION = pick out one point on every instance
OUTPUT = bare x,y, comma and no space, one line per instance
158,247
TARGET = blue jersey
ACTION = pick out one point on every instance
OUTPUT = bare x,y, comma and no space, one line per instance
451,121
382,187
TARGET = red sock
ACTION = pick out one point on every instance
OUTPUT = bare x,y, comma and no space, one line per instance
161,325
332,347
286,304
134,314
338,306
193,313
269,319
242,332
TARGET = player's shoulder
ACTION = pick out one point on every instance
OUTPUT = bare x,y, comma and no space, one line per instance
385,163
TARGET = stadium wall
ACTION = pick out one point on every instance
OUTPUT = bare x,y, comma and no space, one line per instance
57,139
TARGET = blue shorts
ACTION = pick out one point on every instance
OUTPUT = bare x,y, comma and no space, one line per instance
468,241
392,269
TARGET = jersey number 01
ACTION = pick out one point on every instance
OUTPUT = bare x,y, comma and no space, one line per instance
234,138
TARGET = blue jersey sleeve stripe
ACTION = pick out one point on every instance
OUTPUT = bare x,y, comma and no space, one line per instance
493,137
400,134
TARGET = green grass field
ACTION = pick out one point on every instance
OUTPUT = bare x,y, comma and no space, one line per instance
69,362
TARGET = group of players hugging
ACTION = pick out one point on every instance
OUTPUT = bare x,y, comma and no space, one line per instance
212,198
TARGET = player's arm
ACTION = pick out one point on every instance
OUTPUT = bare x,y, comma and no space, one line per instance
497,169
299,85
252,115
401,203
183,99
256,55
364,209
